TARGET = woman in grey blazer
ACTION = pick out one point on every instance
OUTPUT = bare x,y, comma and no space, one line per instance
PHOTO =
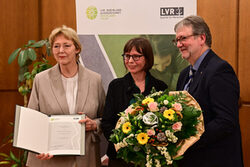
69,88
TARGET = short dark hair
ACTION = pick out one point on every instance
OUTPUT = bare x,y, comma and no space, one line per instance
144,47
198,25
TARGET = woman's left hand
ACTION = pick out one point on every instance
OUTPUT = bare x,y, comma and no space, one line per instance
44,156
89,123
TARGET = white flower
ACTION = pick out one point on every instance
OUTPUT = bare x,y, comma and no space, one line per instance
124,143
139,116
149,161
165,102
150,119
169,162
170,136
155,94
167,133
164,152
157,163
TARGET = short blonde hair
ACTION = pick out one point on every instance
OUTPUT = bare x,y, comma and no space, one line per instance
69,33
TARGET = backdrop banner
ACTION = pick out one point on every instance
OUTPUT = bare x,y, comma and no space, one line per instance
104,26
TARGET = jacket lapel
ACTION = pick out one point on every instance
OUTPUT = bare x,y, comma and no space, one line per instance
58,89
83,88
196,80
199,74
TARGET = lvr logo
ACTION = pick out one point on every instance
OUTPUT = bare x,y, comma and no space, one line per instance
172,11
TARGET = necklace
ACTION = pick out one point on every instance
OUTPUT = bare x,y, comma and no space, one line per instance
69,73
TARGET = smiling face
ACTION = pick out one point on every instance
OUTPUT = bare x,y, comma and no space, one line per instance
135,67
190,46
64,51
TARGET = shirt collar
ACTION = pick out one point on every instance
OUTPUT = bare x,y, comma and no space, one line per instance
198,62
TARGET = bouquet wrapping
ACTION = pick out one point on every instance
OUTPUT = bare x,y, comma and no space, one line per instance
157,129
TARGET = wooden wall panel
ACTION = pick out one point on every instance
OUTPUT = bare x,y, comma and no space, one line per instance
244,44
57,13
8,101
245,133
19,23
221,17
244,77
54,14
17,27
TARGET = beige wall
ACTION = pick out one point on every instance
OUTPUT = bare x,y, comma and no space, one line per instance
22,20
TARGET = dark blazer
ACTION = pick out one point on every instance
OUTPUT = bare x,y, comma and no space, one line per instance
216,88
120,92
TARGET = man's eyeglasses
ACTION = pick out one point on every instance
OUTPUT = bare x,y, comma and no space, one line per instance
134,57
182,39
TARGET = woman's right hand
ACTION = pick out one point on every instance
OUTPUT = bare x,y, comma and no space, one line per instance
44,156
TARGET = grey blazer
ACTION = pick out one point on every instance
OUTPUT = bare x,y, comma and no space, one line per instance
48,96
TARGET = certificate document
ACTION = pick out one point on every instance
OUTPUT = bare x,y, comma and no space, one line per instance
54,134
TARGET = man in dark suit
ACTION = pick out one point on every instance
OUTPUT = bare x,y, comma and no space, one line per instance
214,84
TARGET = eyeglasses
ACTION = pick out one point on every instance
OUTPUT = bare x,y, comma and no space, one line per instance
182,39
134,57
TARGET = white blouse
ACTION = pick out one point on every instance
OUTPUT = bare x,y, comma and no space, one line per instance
70,86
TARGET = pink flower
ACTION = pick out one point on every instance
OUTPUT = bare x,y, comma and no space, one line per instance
128,110
151,132
153,106
177,126
177,107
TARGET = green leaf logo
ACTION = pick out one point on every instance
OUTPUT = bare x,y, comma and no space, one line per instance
91,12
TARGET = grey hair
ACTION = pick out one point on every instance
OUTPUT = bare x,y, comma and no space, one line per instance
199,26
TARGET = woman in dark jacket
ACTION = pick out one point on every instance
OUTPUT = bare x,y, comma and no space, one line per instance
138,59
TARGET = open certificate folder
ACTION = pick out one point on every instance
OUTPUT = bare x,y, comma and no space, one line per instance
55,134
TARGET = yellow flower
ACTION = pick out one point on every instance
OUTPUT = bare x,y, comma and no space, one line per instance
169,114
142,138
126,127
147,100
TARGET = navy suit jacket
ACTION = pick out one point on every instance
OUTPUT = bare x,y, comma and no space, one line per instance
216,88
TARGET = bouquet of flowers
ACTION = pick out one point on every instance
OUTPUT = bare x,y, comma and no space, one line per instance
157,129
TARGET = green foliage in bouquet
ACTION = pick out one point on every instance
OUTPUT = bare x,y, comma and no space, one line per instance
150,132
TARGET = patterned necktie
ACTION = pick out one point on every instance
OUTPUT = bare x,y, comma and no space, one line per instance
191,76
